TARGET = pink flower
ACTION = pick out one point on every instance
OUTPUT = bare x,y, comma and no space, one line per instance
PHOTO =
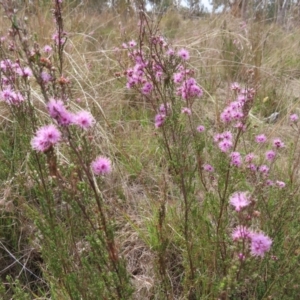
47,49
241,256
184,54
5,65
249,157
45,137
165,108
294,118
239,200
260,244
200,128
261,138
280,184
24,72
241,233
62,40
252,167
225,145
270,155
11,97
66,118
132,43
186,111
101,165
218,137
278,143
170,52
55,107
177,77
159,120
227,135
208,168
225,116
263,169
236,159
46,77
235,86
84,119
147,88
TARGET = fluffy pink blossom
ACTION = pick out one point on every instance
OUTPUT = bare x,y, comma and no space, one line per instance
269,182
261,138
227,135
24,72
249,157
264,169
235,86
84,119
45,137
66,118
132,43
208,168
200,128
55,107
46,77
159,120
236,159
218,137
184,54
165,108
260,244
101,165
278,143
11,97
294,118
5,65
270,155
47,49
170,52
252,167
241,256
177,77
147,88
186,111
241,233
239,200
225,145
280,184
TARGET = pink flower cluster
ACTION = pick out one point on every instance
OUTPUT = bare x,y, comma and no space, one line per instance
59,40
224,141
294,118
59,112
188,88
10,72
160,118
237,110
138,76
152,70
259,242
11,97
236,159
45,137
11,69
